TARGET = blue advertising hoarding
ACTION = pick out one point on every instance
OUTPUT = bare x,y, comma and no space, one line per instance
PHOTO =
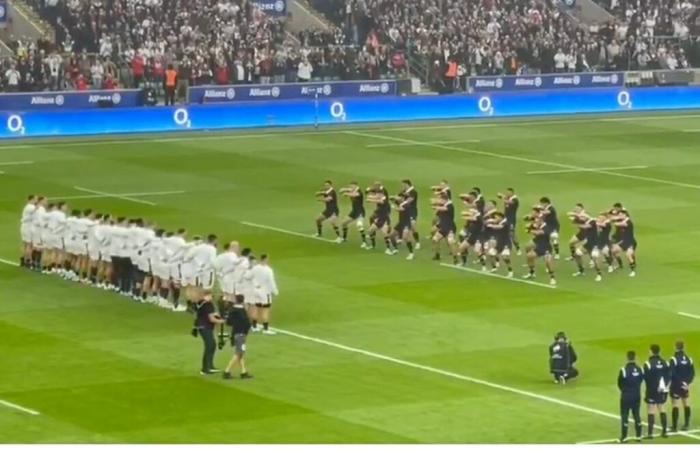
287,91
272,7
71,100
552,81
3,13
344,111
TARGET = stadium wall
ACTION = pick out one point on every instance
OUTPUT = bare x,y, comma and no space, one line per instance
286,113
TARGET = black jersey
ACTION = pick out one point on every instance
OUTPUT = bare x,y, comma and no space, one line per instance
550,217
502,233
357,202
604,229
629,381
404,208
656,376
411,205
626,232
511,209
446,218
591,233
383,209
330,198
542,238
682,368
474,224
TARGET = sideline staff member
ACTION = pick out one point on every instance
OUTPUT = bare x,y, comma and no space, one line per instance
240,326
170,85
629,381
562,357
204,324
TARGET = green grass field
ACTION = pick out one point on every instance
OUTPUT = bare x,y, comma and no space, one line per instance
373,349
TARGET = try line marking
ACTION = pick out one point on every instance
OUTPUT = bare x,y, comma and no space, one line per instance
403,144
19,408
129,194
458,376
593,169
523,159
291,233
126,197
498,275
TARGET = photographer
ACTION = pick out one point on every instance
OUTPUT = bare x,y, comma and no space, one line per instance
204,324
562,357
240,326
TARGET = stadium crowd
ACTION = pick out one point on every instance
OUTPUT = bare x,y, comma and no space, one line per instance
129,43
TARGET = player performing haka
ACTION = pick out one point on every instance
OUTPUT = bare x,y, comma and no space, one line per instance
471,233
446,228
381,218
330,213
511,203
585,240
500,243
549,214
627,243
357,211
602,248
411,197
403,229
541,247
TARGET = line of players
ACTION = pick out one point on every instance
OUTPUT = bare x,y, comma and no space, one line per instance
140,261
488,233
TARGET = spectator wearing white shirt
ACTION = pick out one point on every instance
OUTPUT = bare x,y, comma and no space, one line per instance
12,79
97,72
265,288
559,61
304,70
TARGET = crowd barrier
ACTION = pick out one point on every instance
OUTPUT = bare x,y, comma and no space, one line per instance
306,112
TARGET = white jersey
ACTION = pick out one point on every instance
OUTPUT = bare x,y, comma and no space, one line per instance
70,233
202,256
240,270
28,215
102,237
264,280
119,241
144,239
56,223
174,248
225,265
39,218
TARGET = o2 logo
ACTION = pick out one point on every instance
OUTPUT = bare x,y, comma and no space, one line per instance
624,99
182,118
485,106
15,124
338,111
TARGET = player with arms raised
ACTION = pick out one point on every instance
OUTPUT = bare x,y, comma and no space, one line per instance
330,212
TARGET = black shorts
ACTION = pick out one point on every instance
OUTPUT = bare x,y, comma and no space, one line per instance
581,235
445,229
473,238
328,213
380,222
356,214
502,244
414,216
655,398
139,275
543,249
628,244
589,246
401,227
549,229
677,392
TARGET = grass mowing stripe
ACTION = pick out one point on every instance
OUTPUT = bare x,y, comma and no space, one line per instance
458,376
593,169
498,275
16,163
522,159
117,196
20,408
291,233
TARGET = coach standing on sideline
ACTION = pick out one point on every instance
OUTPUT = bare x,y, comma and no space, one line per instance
206,319
629,381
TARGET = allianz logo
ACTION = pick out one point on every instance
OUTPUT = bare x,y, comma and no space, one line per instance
611,78
264,92
573,80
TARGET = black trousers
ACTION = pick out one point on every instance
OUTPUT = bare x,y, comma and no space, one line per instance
209,348
570,373
628,406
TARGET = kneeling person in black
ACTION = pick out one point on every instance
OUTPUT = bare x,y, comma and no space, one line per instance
562,357
629,381
240,326
656,381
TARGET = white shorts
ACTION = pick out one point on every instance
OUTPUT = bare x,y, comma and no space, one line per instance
228,285
187,275
174,273
161,270
94,253
205,280
105,255
53,242
81,247
261,298
26,232
248,296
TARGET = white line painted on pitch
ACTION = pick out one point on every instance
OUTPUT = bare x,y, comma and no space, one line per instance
128,194
19,408
16,163
408,126
692,316
497,275
429,143
118,196
523,159
458,376
9,263
592,169
634,439
292,233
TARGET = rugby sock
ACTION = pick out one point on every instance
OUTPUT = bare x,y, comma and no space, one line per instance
532,271
482,260
387,241
318,228
409,246
650,421
363,235
144,295
579,264
464,258
254,323
572,249
674,418
516,244
394,243
619,262
556,248
633,264
623,434
508,265
266,326
176,296
664,423
373,239
337,231
416,236
93,275
609,260
164,293
345,232
551,273
686,418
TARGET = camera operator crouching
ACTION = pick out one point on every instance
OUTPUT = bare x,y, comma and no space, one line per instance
238,319
204,324
562,357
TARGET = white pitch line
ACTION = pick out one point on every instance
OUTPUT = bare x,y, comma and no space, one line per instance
291,233
9,263
129,194
522,159
497,275
19,408
470,123
592,169
16,163
634,439
696,130
692,316
118,196
404,144
446,373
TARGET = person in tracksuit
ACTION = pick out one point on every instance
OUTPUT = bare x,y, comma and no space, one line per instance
656,380
629,381
562,357
682,375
